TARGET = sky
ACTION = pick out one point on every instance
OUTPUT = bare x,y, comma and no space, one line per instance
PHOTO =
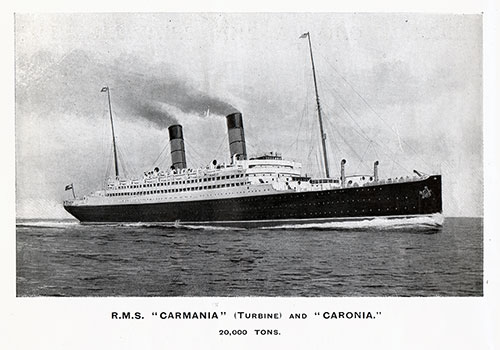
404,89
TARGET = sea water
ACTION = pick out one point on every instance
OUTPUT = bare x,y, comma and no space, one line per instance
416,257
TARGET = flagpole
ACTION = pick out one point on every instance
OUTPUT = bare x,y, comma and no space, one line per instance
323,135
112,133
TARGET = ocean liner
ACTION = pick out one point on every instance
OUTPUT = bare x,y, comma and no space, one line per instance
260,191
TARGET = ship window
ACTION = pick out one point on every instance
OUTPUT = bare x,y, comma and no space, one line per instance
218,177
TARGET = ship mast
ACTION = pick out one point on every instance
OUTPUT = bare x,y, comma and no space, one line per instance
106,89
323,135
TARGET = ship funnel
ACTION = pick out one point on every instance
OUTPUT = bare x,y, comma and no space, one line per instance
177,151
236,135
375,171
342,172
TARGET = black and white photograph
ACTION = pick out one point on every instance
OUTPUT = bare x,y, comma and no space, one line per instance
195,160
249,155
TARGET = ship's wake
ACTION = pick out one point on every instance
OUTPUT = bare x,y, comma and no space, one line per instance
170,225
434,221
431,222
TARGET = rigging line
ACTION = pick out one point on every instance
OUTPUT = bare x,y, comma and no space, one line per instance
192,149
317,155
339,153
375,142
300,124
392,170
310,151
342,105
310,138
105,144
313,162
370,107
360,128
331,141
363,157
362,134
189,149
222,140
339,101
367,138
193,154
345,141
193,158
109,162
122,162
305,111
128,165
161,153
354,120
103,148
194,161
391,149
310,123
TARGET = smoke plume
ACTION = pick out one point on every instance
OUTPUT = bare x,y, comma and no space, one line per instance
156,99
139,90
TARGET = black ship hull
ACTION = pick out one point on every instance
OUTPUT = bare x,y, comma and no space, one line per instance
394,200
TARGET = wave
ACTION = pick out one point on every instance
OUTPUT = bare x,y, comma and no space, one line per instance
47,223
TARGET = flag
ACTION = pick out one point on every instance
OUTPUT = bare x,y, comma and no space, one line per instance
104,89
304,35
68,187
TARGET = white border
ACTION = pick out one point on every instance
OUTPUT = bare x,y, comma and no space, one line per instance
405,323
